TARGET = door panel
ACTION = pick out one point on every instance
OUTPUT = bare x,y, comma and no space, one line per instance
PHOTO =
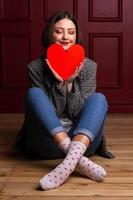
107,31
107,28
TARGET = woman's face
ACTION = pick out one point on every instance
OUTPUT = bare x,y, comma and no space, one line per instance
64,33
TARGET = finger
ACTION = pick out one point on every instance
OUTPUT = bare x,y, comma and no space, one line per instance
82,63
56,75
75,72
51,67
47,61
53,71
81,66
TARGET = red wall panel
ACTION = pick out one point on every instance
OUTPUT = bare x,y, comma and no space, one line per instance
107,31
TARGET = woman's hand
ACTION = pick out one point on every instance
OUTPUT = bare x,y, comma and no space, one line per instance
69,82
76,73
70,79
54,72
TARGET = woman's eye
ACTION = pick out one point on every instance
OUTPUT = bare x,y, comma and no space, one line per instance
71,32
58,31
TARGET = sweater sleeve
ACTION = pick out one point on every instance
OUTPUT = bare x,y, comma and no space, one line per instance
35,75
39,78
83,86
43,79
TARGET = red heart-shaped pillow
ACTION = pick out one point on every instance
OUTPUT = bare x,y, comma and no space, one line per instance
65,62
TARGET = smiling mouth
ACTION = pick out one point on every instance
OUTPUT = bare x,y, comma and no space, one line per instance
65,43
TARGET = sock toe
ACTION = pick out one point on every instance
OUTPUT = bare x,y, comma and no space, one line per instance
45,184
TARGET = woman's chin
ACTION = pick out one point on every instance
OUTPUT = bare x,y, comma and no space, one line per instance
66,47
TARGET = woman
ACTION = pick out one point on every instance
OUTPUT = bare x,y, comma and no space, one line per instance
64,118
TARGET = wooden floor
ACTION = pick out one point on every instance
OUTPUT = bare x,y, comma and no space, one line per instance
19,176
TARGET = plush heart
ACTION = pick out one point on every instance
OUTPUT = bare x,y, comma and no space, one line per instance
65,62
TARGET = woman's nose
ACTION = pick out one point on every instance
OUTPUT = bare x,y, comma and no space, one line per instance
65,35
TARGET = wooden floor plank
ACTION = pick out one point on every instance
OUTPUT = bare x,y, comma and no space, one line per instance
19,175
69,189
63,198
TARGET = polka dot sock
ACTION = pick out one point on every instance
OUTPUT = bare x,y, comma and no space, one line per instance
60,174
90,169
85,166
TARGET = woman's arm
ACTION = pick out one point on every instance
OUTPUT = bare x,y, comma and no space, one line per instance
38,77
83,86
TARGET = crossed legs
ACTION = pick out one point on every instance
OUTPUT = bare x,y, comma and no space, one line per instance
89,123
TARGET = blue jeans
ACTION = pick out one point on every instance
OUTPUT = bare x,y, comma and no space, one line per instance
42,123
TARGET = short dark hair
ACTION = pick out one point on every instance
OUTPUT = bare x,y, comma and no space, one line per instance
47,34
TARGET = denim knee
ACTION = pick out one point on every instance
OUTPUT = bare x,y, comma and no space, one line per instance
32,93
38,104
100,99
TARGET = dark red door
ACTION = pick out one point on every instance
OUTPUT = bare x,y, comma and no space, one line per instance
107,30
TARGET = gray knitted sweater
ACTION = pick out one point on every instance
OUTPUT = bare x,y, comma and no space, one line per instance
67,104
